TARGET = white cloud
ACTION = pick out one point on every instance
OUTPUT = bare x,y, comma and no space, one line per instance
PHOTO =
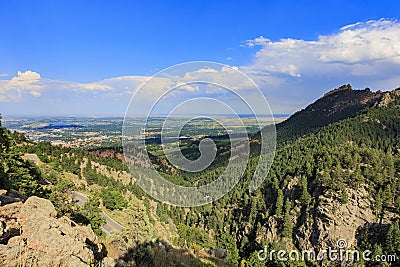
31,83
127,85
359,43
346,27
226,76
206,70
35,93
291,72
3,74
13,89
257,41
92,86
366,54
25,80
362,43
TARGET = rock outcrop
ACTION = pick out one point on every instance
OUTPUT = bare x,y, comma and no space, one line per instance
332,220
345,87
33,235
329,221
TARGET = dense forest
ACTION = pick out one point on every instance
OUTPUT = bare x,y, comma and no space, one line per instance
360,151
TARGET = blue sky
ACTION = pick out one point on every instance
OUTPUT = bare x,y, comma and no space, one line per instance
70,57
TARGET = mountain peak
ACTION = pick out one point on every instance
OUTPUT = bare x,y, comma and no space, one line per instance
340,103
345,87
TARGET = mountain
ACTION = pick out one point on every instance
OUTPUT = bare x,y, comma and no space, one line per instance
335,177
337,104
339,181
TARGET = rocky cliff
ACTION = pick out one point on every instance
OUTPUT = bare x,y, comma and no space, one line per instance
31,234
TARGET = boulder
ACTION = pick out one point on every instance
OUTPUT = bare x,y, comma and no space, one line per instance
43,239
218,252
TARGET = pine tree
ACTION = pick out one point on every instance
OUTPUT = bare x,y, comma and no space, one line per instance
397,204
228,241
287,220
343,196
305,197
393,238
279,203
92,211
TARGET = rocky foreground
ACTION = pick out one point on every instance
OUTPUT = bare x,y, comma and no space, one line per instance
31,234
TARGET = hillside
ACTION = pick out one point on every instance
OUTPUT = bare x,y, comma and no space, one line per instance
339,181
337,104
28,224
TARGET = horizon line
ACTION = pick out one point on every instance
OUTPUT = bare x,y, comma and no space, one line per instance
12,116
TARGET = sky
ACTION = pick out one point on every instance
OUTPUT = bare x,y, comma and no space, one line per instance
90,57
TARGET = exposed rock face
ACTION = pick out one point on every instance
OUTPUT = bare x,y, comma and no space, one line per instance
8,220
32,235
326,223
218,252
271,230
110,262
341,88
332,220
10,197
385,100
388,97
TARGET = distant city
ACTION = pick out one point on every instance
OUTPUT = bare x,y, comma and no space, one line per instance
87,132
69,131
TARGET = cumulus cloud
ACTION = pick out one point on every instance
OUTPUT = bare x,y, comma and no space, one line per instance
25,80
356,44
365,54
127,85
28,81
291,72
153,87
362,43
31,83
256,41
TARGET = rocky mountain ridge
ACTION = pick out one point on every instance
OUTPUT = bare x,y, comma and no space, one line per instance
337,104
